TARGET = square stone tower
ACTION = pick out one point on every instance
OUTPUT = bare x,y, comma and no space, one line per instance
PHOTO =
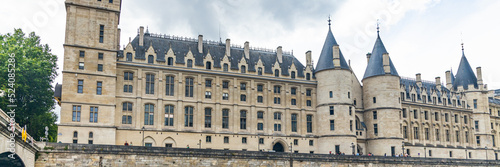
89,72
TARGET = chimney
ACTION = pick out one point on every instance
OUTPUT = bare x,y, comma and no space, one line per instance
448,79
368,55
200,43
141,36
336,56
228,47
308,58
479,76
438,82
419,79
247,50
279,53
385,60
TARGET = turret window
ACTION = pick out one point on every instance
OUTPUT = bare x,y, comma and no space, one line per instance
375,129
332,110
374,100
101,30
374,114
331,94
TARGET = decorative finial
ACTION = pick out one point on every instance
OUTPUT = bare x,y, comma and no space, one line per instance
462,39
329,20
378,27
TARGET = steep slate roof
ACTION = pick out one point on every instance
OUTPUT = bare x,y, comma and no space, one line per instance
465,75
375,65
430,87
493,100
325,60
217,51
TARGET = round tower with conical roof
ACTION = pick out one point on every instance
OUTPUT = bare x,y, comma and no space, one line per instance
381,84
335,109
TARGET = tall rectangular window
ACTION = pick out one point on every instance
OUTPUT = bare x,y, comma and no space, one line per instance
308,92
260,88
188,116
293,91
475,103
466,136
476,125
243,97
99,88
447,133
374,114
225,118
446,117
129,57
415,132
81,66
169,85
465,120
149,114
456,118
169,115
208,117
405,132
127,113
437,134
426,131
308,103
260,126
189,87
101,32
243,119
294,122
457,135
309,124
478,140
426,115
100,56
99,67
243,86
150,84
80,86
76,113
415,114
332,124
293,102
375,129
436,116
332,110
331,94
259,71
225,67
93,114
404,112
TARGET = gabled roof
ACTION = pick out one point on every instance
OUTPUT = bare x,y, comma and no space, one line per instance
465,76
325,60
375,65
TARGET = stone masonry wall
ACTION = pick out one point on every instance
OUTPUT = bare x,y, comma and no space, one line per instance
61,154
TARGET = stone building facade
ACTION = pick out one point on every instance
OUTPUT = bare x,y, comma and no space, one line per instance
169,91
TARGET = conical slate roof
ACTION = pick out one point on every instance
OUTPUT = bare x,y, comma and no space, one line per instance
465,76
325,60
452,76
375,65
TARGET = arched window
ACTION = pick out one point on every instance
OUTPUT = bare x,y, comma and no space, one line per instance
127,113
129,57
308,76
190,63
292,75
169,115
170,61
75,137
150,84
189,87
169,85
208,65
276,73
91,135
243,69
151,59
149,114
188,116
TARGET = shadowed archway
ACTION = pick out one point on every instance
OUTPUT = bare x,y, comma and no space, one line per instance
278,147
5,160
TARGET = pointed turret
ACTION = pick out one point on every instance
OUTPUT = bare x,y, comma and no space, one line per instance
328,56
465,76
375,65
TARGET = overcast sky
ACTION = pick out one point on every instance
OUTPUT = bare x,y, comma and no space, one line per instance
421,36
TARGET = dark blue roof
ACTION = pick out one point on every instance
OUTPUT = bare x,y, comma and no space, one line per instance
465,76
325,60
493,100
375,64
429,87
452,76
217,51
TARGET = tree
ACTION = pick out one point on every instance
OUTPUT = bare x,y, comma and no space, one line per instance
35,71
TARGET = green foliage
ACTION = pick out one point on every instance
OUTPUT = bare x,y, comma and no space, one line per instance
35,71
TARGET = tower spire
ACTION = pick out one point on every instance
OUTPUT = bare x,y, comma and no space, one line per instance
329,22
378,26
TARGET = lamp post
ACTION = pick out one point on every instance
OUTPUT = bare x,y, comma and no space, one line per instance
291,147
403,148
143,136
199,143
352,146
258,142
486,149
